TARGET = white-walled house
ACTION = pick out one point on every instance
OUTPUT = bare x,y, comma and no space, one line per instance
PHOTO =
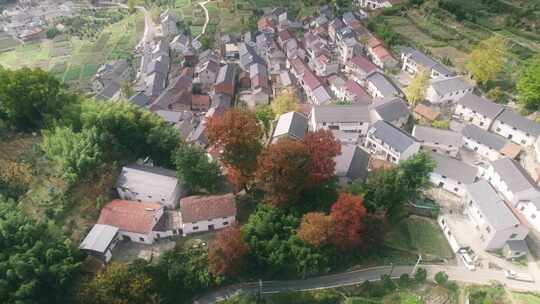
380,87
135,220
394,111
149,184
478,111
447,90
491,216
292,125
444,142
488,145
100,241
374,4
511,180
451,174
413,61
390,143
351,164
530,209
516,128
207,213
351,119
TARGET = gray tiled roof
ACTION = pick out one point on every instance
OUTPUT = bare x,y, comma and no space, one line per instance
426,61
341,113
99,238
491,205
321,94
517,245
449,85
152,179
514,176
394,137
453,168
484,137
481,105
434,135
139,99
293,124
521,123
226,74
352,162
383,84
392,109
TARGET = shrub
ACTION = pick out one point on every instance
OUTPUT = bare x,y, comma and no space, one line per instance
441,278
404,280
420,275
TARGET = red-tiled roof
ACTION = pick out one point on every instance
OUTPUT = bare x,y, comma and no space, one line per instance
374,42
264,23
200,101
355,89
426,112
363,63
381,52
298,65
130,216
259,81
311,80
284,35
202,208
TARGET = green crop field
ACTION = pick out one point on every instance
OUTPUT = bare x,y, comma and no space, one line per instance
73,60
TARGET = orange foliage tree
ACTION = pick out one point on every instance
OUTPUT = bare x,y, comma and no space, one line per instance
316,229
239,136
348,214
281,171
226,253
323,148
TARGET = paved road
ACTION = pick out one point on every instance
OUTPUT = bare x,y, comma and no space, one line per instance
330,281
202,4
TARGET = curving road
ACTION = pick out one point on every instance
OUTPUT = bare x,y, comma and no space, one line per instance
323,282
202,4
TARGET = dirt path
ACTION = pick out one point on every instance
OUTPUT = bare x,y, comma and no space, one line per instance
202,4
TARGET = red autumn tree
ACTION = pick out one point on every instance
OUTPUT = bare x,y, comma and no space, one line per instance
348,214
226,253
316,229
323,148
238,134
281,171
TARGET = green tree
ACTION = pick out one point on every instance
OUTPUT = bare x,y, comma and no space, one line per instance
265,115
416,91
31,98
528,84
38,264
75,154
496,94
117,284
441,278
285,102
420,275
195,170
131,6
391,189
486,60
441,124
126,90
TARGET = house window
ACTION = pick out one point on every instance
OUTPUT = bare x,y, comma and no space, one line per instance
498,129
523,142
522,208
481,123
456,189
141,239
225,223
533,216
195,227
443,176
488,229
513,236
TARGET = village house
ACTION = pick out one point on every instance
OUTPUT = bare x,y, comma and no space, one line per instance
413,61
177,96
440,141
516,128
380,87
200,103
260,86
359,67
375,4
225,81
488,145
168,23
334,27
248,56
351,164
477,111
448,90
206,71
451,174
135,220
354,93
207,213
394,111
378,53
100,242
347,45
492,218
315,90
149,184
350,119
390,143
292,125
425,114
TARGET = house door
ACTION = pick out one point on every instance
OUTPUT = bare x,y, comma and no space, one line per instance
126,238
211,227
441,184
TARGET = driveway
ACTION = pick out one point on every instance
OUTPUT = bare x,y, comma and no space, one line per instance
127,251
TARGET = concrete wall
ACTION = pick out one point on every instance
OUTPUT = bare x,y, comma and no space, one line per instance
471,117
481,149
448,184
433,97
517,136
201,226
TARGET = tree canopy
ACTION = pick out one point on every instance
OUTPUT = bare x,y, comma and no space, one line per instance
322,148
416,91
486,60
37,264
348,214
31,98
226,253
528,84
316,229
195,170
285,102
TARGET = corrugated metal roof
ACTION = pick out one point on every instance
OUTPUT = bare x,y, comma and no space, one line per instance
99,238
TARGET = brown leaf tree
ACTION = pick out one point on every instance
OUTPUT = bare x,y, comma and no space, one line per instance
226,253
282,171
323,148
348,214
316,229
238,134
